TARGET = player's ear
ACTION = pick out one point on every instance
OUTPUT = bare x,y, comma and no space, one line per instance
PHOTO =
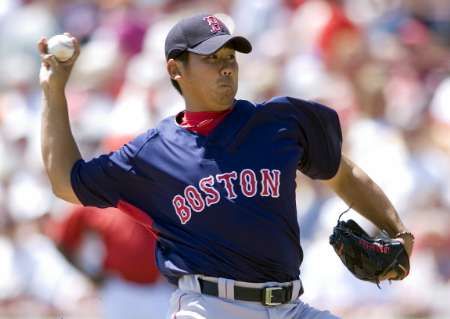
173,69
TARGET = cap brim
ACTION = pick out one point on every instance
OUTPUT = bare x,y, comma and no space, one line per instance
213,44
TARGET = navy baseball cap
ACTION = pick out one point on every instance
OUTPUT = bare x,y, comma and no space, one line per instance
202,34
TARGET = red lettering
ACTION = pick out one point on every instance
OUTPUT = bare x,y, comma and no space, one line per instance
375,247
198,198
226,178
248,182
213,23
213,196
270,183
183,211
194,198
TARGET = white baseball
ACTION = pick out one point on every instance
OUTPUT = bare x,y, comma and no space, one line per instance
61,46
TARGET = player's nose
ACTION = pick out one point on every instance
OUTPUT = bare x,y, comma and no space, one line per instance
226,71
227,67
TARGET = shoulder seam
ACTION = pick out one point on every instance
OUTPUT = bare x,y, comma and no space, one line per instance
152,135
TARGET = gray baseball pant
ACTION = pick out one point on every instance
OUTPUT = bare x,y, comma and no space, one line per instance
188,303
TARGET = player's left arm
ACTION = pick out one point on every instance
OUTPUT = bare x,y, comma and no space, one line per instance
356,188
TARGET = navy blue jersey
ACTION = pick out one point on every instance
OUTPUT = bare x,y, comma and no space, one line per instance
221,205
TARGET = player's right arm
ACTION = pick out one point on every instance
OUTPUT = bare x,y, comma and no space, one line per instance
59,150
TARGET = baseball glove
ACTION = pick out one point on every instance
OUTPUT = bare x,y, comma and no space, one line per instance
369,258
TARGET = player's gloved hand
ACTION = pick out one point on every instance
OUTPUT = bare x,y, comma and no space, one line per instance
371,258
408,243
407,240
53,75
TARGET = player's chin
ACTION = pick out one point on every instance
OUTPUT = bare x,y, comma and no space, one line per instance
227,91
225,96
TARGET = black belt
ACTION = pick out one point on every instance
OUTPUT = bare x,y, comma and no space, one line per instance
268,296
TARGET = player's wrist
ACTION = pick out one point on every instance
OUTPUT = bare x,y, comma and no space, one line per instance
54,92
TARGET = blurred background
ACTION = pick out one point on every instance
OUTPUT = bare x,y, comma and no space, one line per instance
382,64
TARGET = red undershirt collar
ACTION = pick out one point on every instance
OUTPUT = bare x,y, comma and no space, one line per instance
201,122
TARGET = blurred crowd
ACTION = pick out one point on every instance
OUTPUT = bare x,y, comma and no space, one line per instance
384,65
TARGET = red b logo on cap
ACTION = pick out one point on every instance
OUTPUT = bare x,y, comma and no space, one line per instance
213,23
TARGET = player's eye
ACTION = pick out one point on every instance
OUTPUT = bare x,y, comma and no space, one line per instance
232,57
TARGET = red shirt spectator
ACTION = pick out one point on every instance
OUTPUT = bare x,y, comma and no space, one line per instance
129,246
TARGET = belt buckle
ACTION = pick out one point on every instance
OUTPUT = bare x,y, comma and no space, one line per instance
268,296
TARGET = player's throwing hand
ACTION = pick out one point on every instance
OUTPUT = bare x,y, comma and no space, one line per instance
53,73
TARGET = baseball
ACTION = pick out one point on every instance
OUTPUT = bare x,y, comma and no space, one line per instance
61,46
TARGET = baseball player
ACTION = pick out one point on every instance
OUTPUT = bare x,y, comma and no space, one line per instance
215,182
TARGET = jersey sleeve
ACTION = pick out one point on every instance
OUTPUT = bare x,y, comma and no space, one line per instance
319,134
100,181
321,137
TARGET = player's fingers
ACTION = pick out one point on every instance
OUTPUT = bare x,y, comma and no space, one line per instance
42,45
50,60
391,275
45,58
76,45
408,243
45,64
43,52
